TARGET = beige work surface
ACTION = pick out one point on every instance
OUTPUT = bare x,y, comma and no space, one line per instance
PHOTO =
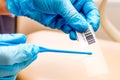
51,66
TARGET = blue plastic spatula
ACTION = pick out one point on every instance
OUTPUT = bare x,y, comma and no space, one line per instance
43,49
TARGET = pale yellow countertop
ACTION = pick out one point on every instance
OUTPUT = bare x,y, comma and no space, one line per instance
51,66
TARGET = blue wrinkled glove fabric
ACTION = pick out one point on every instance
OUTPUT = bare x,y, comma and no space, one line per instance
15,55
65,15
8,78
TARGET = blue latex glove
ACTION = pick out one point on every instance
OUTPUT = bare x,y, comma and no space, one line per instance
15,55
67,15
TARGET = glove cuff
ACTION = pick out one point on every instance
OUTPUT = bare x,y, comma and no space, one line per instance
8,78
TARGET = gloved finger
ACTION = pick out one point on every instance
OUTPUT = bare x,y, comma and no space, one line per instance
17,54
66,28
73,35
15,68
27,63
12,38
93,18
92,14
78,4
72,16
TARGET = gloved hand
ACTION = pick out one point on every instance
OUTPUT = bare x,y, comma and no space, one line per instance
15,55
67,15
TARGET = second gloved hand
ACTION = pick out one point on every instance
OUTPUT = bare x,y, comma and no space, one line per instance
15,55
67,15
